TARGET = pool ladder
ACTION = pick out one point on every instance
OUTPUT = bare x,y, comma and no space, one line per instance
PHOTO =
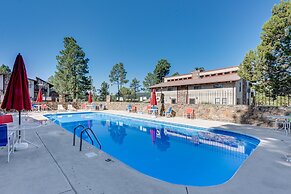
85,130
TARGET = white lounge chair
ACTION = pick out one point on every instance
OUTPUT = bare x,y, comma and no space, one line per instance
71,108
101,107
61,108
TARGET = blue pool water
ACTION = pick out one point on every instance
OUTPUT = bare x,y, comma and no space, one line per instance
178,154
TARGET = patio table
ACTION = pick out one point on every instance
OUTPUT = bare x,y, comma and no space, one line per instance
89,106
38,107
154,111
27,123
286,119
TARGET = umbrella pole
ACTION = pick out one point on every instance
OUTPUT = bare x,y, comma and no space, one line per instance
19,122
19,117
20,145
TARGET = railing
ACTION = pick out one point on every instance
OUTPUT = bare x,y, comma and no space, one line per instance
74,138
85,130
263,99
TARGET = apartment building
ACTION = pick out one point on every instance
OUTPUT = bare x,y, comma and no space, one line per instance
219,86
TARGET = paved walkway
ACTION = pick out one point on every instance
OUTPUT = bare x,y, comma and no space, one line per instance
58,167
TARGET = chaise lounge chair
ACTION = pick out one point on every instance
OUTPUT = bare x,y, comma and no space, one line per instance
45,107
61,108
169,113
71,108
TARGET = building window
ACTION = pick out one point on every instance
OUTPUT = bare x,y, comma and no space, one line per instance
191,100
173,101
239,86
217,100
217,86
224,101
197,87
171,88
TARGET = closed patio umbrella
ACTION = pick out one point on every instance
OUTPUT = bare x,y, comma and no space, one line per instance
39,96
90,97
17,94
153,101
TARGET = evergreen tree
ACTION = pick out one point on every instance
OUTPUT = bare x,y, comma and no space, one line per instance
71,77
175,74
149,80
125,93
4,69
135,87
249,68
199,69
118,76
103,91
268,67
162,69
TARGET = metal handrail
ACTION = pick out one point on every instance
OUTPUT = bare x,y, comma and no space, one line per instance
74,138
81,136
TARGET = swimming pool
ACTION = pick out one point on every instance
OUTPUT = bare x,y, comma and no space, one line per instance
175,153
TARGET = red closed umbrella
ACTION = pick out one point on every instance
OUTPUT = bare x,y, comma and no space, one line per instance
153,101
17,95
39,96
90,97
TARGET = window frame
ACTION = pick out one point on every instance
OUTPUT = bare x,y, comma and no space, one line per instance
192,99
173,99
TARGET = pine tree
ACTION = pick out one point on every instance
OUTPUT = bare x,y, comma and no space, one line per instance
268,67
125,93
71,77
149,80
162,69
103,91
199,69
4,69
118,76
175,74
135,87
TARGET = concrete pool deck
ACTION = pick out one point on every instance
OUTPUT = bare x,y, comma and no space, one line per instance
58,167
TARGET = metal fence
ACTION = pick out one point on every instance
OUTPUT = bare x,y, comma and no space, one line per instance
262,99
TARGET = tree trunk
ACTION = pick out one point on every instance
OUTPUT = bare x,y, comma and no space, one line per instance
118,92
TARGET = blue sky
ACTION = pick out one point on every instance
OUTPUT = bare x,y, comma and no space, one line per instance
188,33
